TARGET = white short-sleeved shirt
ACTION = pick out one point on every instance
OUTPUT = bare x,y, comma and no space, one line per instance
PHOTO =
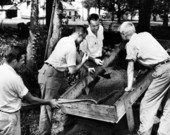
93,45
12,89
144,48
64,54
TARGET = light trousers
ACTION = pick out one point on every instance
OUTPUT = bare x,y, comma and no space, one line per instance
52,84
152,100
10,123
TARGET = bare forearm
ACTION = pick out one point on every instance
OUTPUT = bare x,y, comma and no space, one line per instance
40,101
130,78
130,73
35,100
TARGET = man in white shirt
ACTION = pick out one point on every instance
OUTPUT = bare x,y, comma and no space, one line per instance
52,77
12,90
93,43
145,49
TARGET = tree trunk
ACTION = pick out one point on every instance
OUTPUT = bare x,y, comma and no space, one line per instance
49,4
165,19
119,14
56,33
166,9
113,16
33,38
88,12
99,1
145,9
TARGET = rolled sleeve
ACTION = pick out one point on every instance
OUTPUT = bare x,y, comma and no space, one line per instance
132,52
71,58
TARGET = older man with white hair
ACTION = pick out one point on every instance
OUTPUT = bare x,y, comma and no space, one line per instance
145,49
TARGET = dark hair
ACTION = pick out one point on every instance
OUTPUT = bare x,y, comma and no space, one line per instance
94,17
14,52
81,29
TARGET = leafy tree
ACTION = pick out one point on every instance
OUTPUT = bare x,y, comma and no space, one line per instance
133,5
120,7
165,12
5,2
161,7
109,5
88,4
157,8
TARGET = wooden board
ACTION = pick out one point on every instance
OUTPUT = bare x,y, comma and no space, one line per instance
106,113
139,89
76,90
92,111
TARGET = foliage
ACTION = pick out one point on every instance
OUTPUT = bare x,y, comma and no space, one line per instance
125,5
158,7
133,5
161,8
8,38
89,3
5,2
120,7
108,5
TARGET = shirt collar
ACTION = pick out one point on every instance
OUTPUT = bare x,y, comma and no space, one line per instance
90,33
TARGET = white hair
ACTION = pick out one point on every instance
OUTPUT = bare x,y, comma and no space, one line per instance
127,28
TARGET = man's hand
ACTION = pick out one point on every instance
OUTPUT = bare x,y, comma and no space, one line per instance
129,89
54,103
98,62
85,57
91,70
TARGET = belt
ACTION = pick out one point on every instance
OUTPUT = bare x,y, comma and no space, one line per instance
9,112
162,63
63,72
52,66
49,64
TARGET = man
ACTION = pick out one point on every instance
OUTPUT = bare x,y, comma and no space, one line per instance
144,48
52,78
93,44
12,90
